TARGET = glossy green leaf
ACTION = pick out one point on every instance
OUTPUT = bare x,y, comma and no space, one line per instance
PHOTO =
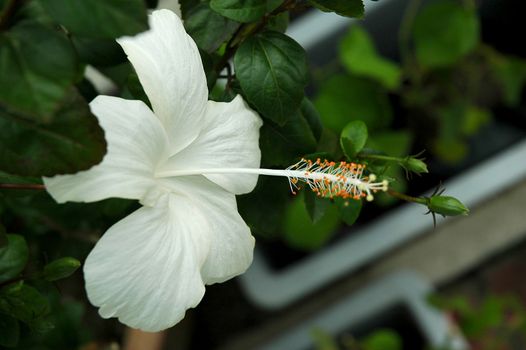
243,10
301,233
345,98
9,331
72,142
359,57
208,28
25,303
349,209
444,32
353,138
280,145
272,71
13,257
348,8
99,18
37,67
60,268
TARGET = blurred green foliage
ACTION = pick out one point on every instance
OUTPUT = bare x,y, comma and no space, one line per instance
47,128
445,88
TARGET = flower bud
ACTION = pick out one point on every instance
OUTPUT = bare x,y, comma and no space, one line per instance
414,165
447,206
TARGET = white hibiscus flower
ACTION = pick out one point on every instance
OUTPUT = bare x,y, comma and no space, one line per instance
184,162
150,267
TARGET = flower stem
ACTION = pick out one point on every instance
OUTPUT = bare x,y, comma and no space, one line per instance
22,186
406,198
379,157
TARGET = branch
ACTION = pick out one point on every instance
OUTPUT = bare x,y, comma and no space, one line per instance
22,186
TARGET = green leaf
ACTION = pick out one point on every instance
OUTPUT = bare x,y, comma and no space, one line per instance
279,23
281,145
263,208
26,304
208,28
9,331
99,52
345,98
243,10
37,67
301,233
13,257
272,71
444,32
99,18
348,8
349,209
315,205
384,339
72,142
359,56
353,138
60,268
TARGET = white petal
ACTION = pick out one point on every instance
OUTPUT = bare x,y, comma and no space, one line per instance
231,244
169,67
229,139
136,144
145,270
